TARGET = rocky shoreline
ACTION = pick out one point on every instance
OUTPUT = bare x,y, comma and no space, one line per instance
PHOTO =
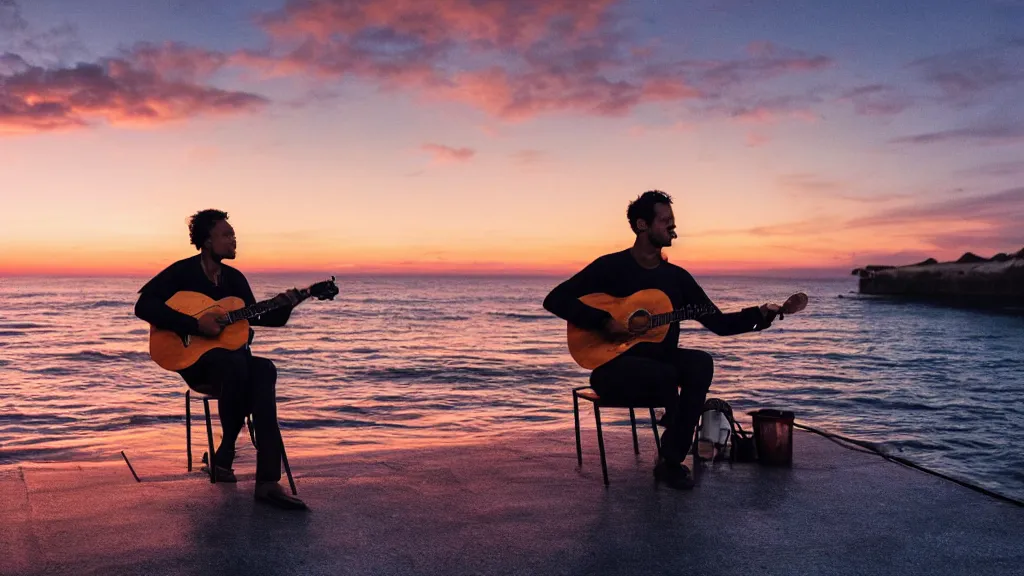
971,280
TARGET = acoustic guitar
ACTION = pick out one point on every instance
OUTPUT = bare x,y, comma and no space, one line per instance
647,314
174,352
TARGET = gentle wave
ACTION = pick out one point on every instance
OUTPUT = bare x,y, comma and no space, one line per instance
102,357
523,317
394,361
107,304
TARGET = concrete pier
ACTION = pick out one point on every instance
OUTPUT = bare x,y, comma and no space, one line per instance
517,507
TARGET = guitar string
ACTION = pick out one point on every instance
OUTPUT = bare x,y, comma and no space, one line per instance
259,308
686,313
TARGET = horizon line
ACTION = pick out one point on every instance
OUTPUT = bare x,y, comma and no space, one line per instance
824,273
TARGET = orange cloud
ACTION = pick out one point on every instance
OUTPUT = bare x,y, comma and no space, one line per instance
442,153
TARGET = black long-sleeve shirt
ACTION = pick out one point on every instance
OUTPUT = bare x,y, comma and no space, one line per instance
619,275
188,275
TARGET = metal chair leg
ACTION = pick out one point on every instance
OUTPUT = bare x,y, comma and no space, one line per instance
252,435
654,426
600,443
288,470
632,422
284,456
211,458
576,416
188,427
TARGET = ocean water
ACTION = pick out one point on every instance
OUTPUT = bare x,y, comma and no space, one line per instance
414,361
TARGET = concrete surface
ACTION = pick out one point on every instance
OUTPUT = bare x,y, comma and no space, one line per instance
520,507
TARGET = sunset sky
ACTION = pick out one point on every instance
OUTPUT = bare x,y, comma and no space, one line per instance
509,135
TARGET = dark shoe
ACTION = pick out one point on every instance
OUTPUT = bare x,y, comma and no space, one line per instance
675,475
272,493
223,474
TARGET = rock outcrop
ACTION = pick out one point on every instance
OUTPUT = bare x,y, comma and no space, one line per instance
970,280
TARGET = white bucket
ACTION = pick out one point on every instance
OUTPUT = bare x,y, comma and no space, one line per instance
715,428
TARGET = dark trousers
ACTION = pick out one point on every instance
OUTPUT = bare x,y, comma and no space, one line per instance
243,384
679,381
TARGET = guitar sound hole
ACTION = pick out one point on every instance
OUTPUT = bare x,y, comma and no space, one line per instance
639,321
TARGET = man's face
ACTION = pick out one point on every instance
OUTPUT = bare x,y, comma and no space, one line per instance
661,230
222,240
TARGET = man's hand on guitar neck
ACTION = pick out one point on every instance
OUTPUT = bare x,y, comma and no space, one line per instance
768,314
793,304
290,297
772,309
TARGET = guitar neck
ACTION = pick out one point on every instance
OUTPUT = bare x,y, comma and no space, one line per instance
688,312
261,308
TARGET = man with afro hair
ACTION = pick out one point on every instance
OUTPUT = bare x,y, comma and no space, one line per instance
242,383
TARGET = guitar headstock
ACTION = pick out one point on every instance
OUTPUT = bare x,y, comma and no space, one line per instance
325,290
794,303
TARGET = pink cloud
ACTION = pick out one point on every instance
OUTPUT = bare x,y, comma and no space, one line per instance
877,100
757,139
18,36
963,77
678,127
528,157
766,61
809,184
773,112
995,169
1002,208
981,223
489,22
443,154
985,134
176,60
490,130
757,115
516,96
151,86
513,60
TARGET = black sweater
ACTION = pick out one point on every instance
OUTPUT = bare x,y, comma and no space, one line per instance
188,275
619,274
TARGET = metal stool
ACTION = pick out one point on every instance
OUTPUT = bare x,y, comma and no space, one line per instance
209,438
588,394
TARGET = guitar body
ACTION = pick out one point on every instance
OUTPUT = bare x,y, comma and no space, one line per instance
591,349
171,352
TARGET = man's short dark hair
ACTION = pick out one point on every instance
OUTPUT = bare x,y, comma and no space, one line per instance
643,207
201,223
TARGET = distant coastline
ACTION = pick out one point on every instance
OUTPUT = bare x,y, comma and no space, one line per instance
971,280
